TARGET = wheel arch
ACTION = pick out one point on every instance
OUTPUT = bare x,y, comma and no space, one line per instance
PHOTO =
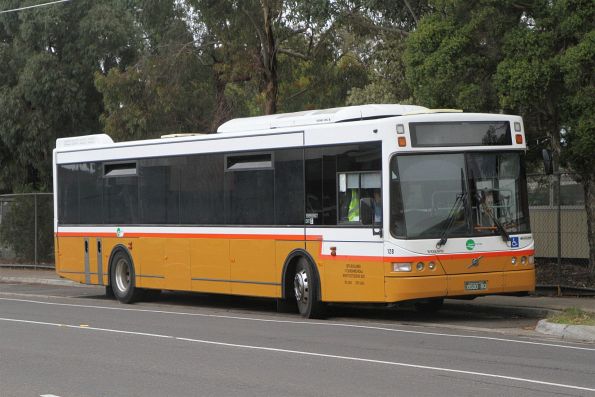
289,267
118,248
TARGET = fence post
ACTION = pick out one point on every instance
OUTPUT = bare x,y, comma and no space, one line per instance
35,215
559,196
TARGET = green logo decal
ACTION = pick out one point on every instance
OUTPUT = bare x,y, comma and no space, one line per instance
470,244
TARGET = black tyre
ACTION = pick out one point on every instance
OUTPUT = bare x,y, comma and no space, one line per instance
109,292
305,289
429,305
122,279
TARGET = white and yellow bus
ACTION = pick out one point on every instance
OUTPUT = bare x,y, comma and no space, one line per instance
373,203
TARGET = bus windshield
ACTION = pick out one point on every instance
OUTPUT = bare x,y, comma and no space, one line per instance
458,194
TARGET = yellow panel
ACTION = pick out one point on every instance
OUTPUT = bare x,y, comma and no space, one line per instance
520,280
463,265
71,255
354,281
210,260
177,264
253,268
149,258
348,280
314,249
405,288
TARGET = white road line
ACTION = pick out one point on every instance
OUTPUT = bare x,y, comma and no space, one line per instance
305,353
307,323
48,395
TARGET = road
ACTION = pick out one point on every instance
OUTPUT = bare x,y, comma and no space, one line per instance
72,341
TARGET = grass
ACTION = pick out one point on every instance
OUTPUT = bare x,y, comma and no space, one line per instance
573,316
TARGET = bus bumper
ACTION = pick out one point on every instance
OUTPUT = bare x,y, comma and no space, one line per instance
407,288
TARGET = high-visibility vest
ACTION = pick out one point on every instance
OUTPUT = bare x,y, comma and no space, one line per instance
353,213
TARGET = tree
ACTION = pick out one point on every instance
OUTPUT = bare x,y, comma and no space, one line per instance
535,59
48,57
547,76
167,89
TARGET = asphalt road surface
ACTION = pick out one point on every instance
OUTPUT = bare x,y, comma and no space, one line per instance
70,341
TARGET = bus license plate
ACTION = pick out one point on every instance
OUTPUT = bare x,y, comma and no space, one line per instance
476,285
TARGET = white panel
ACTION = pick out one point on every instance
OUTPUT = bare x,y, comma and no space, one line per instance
159,148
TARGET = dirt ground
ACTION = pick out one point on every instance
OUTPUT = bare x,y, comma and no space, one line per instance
570,274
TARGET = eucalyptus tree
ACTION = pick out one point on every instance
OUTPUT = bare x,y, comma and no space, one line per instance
48,57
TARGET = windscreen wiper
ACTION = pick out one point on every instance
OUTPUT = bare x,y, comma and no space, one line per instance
481,200
450,220
453,212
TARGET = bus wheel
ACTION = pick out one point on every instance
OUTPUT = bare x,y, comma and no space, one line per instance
429,305
305,288
122,279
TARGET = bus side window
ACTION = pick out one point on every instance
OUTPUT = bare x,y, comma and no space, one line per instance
360,198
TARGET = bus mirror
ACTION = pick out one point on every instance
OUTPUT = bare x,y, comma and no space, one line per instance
548,163
480,196
366,212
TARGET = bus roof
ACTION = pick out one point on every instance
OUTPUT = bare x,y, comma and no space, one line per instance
323,116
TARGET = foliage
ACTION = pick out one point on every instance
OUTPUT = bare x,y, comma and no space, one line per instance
48,57
573,316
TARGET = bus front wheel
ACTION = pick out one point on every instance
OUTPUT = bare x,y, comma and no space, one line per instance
122,279
305,289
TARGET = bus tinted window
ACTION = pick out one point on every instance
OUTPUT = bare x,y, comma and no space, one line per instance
249,197
323,164
91,193
201,190
289,187
121,200
68,194
160,191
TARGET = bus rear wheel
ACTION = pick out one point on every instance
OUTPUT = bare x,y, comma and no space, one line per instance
122,279
305,289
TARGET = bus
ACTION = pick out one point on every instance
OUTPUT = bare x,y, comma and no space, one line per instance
362,204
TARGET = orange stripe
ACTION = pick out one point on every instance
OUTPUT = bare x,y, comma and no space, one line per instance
299,237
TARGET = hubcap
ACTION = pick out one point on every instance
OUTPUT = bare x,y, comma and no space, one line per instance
122,275
300,286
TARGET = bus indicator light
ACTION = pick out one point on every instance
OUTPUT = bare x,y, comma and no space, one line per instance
400,129
518,138
517,126
402,141
402,267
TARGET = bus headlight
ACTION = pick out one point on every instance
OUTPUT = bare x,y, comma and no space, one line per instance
420,266
513,260
523,260
431,266
402,267
531,259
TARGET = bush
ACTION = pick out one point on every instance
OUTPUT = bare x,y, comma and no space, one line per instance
17,228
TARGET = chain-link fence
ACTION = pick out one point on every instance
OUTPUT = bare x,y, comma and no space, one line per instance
26,229
559,227
556,203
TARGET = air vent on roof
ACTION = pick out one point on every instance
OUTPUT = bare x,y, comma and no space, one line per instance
312,117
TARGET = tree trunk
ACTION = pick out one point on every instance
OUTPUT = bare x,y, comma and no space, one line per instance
589,185
269,61
222,111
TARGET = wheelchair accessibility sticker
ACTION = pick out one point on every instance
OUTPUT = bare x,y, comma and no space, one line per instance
514,242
